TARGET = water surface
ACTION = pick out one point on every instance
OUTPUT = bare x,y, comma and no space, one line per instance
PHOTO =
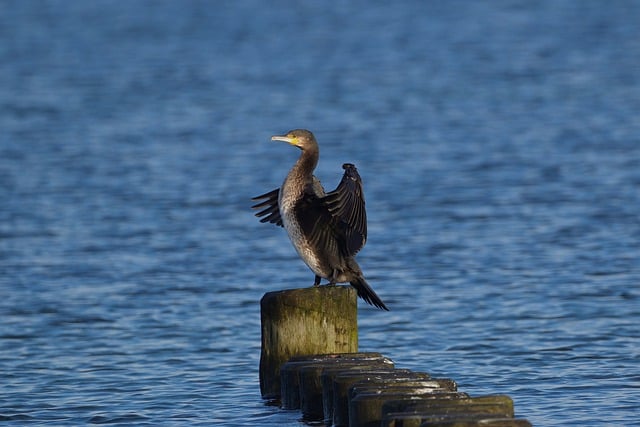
499,147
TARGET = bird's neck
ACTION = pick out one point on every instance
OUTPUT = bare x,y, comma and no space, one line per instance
306,163
299,178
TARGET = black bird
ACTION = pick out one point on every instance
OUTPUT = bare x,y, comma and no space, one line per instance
326,229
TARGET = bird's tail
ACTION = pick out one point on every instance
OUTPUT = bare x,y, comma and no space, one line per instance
366,293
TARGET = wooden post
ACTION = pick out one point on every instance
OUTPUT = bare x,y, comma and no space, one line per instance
299,322
290,372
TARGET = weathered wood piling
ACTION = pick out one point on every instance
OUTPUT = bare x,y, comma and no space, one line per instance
310,361
305,321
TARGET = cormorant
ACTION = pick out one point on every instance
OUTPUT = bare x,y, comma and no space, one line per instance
326,229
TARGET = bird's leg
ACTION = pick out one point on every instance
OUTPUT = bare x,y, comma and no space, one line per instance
316,282
332,279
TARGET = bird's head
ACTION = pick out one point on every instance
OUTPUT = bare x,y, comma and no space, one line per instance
300,138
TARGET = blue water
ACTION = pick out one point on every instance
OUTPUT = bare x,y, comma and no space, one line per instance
499,144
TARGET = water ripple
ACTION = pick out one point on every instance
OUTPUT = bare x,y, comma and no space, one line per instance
498,146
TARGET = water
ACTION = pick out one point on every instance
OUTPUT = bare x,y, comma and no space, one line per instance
498,143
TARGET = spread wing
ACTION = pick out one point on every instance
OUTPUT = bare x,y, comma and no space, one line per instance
346,206
335,222
319,227
271,211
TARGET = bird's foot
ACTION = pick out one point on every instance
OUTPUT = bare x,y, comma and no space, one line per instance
316,281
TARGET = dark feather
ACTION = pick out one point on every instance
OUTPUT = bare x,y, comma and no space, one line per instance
318,226
272,211
366,293
346,205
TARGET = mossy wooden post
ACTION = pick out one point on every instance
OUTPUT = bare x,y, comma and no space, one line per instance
299,322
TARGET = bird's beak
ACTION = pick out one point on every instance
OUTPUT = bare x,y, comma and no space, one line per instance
283,138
